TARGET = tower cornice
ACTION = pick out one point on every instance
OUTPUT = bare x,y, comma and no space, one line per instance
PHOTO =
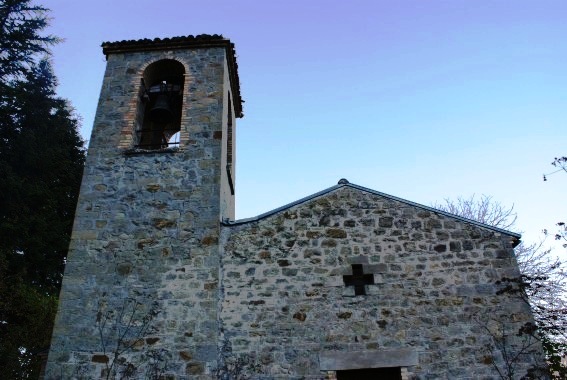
184,42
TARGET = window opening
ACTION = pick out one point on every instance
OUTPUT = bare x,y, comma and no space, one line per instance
174,140
229,146
393,373
358,279
229,133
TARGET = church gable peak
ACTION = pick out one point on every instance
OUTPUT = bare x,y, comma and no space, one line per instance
344,184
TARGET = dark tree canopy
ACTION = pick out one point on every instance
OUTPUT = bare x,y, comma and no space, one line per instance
20,40
41,162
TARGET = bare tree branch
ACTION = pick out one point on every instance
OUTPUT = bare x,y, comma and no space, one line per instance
481,209
542,282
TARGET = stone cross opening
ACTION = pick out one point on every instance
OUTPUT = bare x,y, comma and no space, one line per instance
358,279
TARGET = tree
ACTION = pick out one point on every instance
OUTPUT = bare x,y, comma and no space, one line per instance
542,282
510,346
560,164
20,40
121,329
483,209
41,162
561,234
26,315
41,166
533,259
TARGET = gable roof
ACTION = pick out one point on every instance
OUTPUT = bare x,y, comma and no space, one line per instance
344,183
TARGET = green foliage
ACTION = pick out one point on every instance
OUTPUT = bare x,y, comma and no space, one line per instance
41,162
26,315
20,40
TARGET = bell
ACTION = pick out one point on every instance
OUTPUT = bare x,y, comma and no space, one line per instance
161,111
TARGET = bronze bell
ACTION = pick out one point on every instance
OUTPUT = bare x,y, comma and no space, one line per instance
161,111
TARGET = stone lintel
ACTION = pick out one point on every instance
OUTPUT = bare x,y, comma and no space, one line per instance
339,360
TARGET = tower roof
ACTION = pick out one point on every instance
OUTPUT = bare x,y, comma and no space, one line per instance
185,42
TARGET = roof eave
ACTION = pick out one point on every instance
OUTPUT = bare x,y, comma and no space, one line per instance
515,236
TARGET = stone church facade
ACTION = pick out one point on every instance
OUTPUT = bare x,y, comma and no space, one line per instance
162,282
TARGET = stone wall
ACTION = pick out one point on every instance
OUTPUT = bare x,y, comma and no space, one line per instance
155,286
286,312
144,244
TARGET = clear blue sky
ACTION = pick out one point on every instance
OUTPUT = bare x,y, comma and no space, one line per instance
419,99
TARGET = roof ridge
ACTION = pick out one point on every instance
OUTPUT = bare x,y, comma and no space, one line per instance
344,183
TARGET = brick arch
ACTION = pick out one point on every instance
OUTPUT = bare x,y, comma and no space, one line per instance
128,129
162,57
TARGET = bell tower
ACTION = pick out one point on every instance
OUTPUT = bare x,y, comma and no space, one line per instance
141,285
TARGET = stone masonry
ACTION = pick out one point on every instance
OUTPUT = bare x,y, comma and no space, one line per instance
162,282
146,230
285,305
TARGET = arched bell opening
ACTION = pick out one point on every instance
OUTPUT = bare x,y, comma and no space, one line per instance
173,141
159,111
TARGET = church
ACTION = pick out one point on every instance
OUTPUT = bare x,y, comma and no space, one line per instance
162,282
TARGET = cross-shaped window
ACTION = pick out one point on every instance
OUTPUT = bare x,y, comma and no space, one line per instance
358,279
